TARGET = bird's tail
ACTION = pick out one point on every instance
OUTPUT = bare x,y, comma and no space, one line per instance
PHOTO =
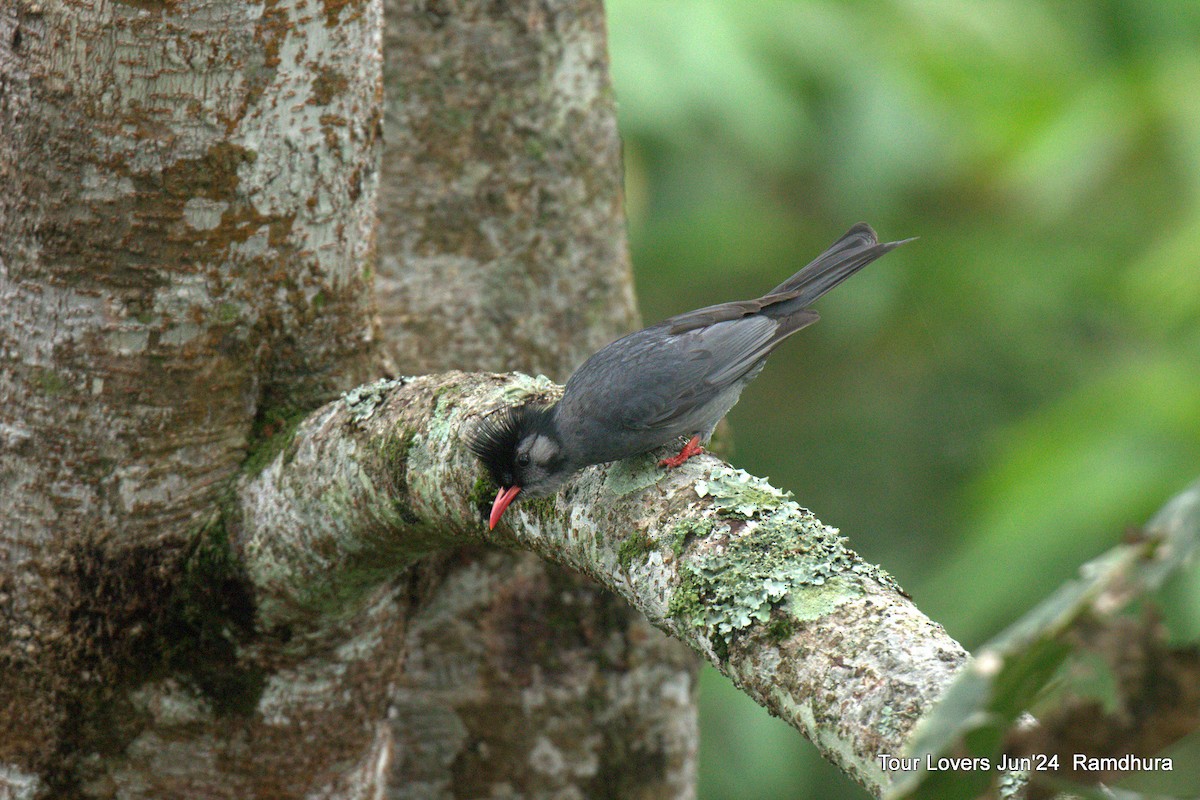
857,248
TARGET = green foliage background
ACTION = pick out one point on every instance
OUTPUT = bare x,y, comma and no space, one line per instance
990,406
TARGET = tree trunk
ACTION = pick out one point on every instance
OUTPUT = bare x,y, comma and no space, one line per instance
187,251
502,247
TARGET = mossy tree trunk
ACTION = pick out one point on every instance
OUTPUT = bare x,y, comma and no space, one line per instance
188,252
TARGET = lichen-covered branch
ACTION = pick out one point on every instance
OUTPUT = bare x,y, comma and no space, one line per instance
717,558
1131,630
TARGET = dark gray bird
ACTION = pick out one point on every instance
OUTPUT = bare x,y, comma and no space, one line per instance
671,380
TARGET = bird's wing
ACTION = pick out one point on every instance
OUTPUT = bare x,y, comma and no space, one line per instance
711,315
779,305
707,362
688,369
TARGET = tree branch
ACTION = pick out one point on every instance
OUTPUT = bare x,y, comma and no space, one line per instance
714,557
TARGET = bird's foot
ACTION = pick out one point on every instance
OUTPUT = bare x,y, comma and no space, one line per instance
692,448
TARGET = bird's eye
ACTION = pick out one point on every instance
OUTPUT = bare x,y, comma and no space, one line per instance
523,460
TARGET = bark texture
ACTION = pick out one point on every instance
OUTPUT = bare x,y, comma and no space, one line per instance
503,247
501,224
720,560
187,214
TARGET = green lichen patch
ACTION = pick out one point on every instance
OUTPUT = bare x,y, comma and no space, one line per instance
50,382
687,529
362,401
226,313
535,149
818,600
482,495
344,590
686,604
483,492
274,432
394,446
771,567
721,648
781,628
543,509
393,449
637,545
632,475
524,387
739,494
447,399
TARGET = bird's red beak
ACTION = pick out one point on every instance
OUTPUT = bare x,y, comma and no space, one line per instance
504,497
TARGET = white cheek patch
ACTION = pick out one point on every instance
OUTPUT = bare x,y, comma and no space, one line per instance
542,450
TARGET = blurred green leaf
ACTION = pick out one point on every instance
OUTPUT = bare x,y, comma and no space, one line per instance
999,684
1160,289
1101,453
687,71
1005,675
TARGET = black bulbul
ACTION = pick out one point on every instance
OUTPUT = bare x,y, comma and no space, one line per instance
671,380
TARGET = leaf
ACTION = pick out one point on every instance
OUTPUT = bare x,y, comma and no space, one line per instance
1007,673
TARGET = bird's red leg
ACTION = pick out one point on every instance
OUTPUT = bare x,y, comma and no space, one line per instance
692,448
